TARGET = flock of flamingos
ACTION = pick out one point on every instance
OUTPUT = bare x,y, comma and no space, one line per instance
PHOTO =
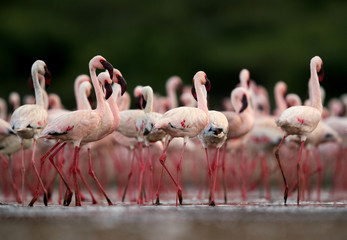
164,151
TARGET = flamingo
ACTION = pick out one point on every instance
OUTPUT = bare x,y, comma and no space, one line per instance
240,123
185,122
302,120
214,135
28,120
83,126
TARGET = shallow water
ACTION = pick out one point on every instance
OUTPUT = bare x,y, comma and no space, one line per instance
257,219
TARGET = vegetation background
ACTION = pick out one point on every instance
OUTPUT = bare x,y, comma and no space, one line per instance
148,41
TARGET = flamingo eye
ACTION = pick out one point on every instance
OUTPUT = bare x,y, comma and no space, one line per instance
102,61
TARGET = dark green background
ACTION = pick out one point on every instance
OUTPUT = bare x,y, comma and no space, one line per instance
148,41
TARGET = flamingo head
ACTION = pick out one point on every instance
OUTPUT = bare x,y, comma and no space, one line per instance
106,81
40,67
118,78
201,76
101,63
317,61
245,78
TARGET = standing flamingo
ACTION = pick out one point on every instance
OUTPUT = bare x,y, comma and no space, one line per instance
186,122
302,120
28,120
83,126
240,123
214,135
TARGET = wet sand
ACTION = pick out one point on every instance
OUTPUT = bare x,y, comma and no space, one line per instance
252,220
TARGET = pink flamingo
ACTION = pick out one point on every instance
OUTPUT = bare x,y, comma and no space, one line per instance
28,120
79,126
302,120
185,122
240,123
214,135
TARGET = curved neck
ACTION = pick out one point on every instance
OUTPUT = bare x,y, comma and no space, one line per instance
314,89
201,97
149,104
115,112
37,88
100,101
82,99
280,101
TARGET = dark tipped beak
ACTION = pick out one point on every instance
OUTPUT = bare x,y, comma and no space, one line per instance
321,75
138,102
208,85
48,77
109,91
194,93
108,66
244,103
122,83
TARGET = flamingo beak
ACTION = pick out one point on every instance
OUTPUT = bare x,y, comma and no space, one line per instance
244,103
208,85
321,75
108,66
122,83
48,77
194,93
109,91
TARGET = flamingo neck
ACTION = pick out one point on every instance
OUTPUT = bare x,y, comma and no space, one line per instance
82,100
149,104
314,89
100,102
280,102
38,90
201,97
115,112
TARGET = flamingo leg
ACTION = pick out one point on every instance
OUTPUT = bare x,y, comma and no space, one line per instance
298,171
279,164
142,169
74,173
7,164
179,189
23,172
209,171
223,173
129,175
91,172
265,176
45,194
162,159
94,201
43,158
215,170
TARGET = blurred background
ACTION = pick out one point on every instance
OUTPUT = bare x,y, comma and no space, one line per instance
149,41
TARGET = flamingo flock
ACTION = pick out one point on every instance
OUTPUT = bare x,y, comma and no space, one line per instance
171,147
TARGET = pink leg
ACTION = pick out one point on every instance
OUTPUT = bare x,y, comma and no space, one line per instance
94,201
215,170
209,171
223,173
298,171
45,195
23,172
129,176
279,164
91,172
179,189
319,171
43,158
243,174
151,178
162,159
74,173
14,186
142,169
